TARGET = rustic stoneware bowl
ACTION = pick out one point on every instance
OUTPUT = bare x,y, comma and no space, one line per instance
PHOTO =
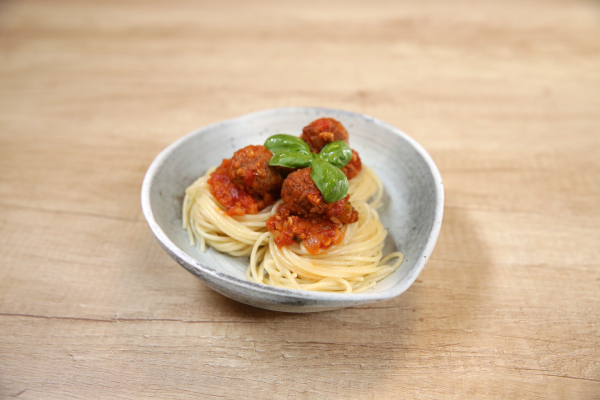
412,211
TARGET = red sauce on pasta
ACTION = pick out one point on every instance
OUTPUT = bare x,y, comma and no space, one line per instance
245,184
316,232
235,199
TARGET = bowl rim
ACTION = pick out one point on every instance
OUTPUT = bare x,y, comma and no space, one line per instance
227,280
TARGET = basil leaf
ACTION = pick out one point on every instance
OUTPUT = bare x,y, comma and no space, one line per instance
332,182
337,153
281,142
292,159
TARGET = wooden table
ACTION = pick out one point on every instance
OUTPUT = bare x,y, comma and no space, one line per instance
504,95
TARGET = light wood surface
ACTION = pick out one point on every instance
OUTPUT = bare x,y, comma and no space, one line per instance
504,95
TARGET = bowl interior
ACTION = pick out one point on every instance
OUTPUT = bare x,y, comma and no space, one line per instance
412,189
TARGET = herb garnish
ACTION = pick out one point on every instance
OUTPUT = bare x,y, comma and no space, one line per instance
292,152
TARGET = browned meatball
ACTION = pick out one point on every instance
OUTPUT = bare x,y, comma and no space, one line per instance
323,131
353,167
250,169
302,197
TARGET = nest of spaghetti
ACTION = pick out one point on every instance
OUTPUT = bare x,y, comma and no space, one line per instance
302,209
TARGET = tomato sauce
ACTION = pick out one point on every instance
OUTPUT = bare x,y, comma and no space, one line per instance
316,232
235,199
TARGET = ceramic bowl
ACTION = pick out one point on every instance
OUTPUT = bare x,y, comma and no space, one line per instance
412,211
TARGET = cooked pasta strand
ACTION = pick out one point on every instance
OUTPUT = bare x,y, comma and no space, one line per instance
354,266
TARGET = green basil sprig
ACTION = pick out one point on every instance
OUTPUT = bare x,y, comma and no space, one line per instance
292,152
337,153
292,159
330,180
283,142
289,151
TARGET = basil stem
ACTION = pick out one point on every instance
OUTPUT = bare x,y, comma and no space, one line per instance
330,180
283,142
337,153
292,159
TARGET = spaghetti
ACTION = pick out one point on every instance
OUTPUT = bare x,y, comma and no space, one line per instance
353,266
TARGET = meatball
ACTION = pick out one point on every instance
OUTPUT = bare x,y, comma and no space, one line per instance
302,197
323,131
250,170
353,167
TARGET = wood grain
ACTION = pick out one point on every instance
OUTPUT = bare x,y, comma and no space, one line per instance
504,95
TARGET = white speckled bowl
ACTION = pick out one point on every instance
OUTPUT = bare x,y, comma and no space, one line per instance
412,210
